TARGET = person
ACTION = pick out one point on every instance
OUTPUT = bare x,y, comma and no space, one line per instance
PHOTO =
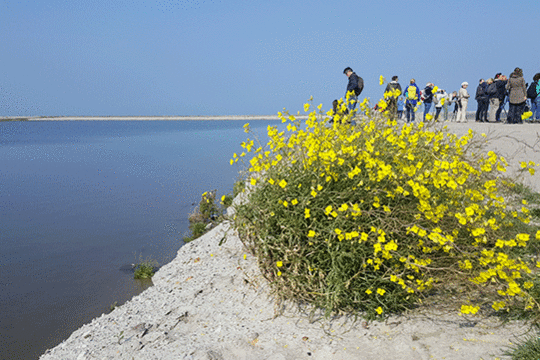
400,105
440,100
453,98
535,98
428,98
354,87
493,101
411,94
463,98
483,101
392,95
517,96
446,105
500,81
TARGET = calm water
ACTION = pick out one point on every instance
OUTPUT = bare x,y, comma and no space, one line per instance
81,199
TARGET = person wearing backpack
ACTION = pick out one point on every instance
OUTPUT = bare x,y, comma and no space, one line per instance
483,101
533,93
411,94
392,96
354,87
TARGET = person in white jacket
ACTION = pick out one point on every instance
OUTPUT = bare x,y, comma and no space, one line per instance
439,102
463,98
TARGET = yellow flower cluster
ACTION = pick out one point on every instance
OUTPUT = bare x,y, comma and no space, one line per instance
381,208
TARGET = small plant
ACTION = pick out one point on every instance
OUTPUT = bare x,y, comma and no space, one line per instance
113,306
529,349
145,269
120,336
206,214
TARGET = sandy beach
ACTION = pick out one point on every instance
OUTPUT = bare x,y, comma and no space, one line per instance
211,302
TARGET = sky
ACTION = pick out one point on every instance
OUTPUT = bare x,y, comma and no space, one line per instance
247,57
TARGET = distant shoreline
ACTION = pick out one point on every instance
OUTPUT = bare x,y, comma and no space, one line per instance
131,118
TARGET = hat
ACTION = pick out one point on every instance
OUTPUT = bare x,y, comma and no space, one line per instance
464,83
347,69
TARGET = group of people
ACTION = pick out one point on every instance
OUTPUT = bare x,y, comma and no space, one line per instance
491,95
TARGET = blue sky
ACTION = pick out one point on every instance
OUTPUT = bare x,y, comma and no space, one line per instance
171,57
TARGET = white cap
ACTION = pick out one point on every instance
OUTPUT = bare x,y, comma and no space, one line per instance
464,83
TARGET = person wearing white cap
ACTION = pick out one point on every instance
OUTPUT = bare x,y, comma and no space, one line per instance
463,98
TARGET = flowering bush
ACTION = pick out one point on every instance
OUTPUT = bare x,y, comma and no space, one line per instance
377,216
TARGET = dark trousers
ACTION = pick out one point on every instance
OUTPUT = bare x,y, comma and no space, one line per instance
481,112
514,113
409,112
437,112
499,110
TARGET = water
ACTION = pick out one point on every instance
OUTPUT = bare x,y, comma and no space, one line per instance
79,200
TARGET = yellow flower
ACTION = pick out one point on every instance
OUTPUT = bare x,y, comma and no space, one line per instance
246,128
368,291
306,213
279,263
498,305
429,117
381,291
294,202
379,310
283,183
285,203
279,273
253,181
381,80
311,233
306,107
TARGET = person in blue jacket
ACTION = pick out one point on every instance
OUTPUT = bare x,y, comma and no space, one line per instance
412,93
355,85
428,98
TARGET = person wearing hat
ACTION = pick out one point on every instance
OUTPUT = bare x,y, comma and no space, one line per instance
463,98
354,87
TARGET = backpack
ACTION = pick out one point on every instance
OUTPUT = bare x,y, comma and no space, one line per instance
411,93
360,85
491,90
532,91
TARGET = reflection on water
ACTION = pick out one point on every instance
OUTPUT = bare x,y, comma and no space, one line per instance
80,199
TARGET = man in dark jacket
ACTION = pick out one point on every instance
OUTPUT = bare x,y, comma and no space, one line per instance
391,95
354,87
500,81
428,98
483,101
